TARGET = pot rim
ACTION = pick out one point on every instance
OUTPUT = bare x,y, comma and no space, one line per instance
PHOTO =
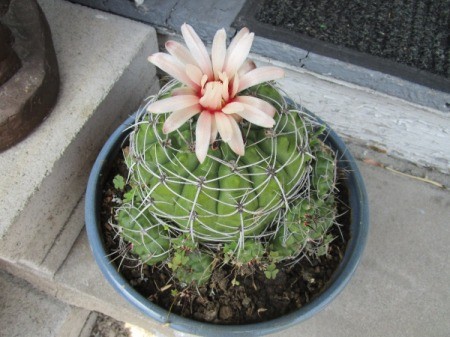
359,227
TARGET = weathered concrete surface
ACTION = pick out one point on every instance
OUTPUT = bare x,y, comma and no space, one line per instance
104,76
153,12
25,311
205,15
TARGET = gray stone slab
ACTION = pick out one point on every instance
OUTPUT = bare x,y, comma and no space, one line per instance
25,311
376,80
400,287
205,16
104,77
154,12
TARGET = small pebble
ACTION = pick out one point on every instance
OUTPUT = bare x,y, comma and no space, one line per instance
225,312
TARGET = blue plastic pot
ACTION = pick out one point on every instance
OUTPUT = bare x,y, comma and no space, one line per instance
358,232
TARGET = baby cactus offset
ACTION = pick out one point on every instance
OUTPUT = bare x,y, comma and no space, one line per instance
256,195
148,239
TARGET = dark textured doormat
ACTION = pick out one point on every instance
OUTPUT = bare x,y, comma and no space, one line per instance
406,38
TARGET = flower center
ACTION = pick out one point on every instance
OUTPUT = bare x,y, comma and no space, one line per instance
215,94
212,96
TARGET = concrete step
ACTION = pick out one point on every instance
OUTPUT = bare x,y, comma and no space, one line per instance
25,312
104,77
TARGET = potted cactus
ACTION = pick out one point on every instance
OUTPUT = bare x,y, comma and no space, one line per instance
226,180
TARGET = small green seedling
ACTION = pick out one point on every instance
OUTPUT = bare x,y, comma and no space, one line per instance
119,182
271,271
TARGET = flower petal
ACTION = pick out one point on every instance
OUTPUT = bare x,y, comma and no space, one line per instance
203,135
237,143
224,127
203,81
194,73
238,55
214,131
179,117
247,66
198,49
243,32
170,65
173,103
183,91
260,75
256,116
232,108
212,96
234,86
218,52
258,103
225,93
180,52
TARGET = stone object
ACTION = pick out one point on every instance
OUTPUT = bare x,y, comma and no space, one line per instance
29,77
9,61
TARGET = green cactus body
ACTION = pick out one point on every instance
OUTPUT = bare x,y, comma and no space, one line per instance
254,207
226,198
305,227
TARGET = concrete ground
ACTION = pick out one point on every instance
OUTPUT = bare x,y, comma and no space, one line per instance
401,286
28,312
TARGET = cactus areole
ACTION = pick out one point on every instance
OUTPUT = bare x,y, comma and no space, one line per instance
223,170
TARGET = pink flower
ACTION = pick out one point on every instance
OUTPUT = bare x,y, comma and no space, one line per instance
211,88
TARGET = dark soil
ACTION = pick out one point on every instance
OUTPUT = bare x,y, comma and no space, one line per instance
253,298
411,32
